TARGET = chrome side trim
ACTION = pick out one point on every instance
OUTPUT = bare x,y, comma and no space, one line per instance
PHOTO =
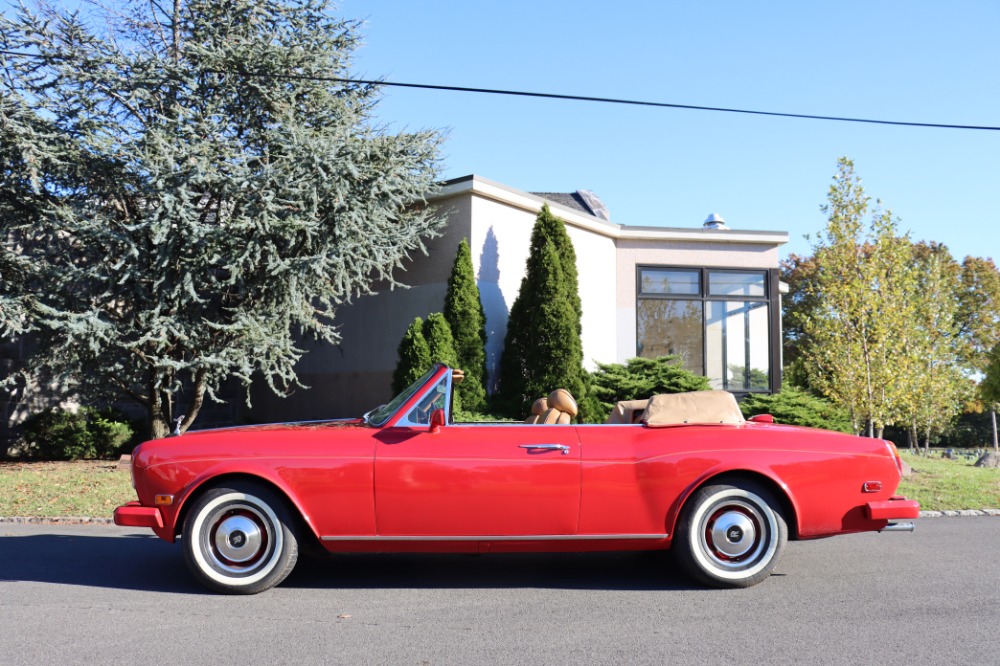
898,527
530,537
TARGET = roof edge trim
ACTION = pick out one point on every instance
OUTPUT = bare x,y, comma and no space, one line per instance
483,187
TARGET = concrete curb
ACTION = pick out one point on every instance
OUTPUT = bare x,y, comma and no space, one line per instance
55,520
84,520
963,512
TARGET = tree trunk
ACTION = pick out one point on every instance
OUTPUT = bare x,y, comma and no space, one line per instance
159,422
195,407
993,418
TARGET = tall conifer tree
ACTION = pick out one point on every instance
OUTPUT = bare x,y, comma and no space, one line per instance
464,311
185,190
542,348
414,356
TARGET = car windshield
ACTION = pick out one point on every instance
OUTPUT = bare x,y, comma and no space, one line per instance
379,415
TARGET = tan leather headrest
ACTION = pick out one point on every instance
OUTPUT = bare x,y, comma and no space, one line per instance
539,406
562,400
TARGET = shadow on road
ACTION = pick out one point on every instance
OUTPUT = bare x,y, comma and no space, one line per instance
139,562
132,562
566,571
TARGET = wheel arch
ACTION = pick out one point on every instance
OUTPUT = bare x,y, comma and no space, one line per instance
779,490
206,483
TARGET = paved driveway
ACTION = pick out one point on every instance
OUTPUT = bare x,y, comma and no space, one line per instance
99,595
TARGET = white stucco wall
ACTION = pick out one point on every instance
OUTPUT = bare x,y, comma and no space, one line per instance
500,238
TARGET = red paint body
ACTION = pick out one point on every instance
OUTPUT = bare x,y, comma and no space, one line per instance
480,487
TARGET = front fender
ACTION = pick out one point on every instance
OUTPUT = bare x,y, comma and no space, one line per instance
218,474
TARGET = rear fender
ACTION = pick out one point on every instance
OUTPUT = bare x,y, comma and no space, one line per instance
732,476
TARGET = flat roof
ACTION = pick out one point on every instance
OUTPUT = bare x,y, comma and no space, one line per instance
489,189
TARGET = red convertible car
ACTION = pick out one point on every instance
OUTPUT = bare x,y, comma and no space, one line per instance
684,472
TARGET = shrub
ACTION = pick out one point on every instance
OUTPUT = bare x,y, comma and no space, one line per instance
641,378
797,407
59,434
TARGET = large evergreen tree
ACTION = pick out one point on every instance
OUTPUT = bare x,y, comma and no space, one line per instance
464,311
542,348
184,191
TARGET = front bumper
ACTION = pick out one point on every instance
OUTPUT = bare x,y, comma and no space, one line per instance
896,507
134,514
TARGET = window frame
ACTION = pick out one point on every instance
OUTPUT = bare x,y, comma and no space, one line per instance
771,296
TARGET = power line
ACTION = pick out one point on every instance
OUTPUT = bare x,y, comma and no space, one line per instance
613,100
586,98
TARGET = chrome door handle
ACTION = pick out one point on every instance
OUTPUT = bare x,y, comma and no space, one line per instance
548,447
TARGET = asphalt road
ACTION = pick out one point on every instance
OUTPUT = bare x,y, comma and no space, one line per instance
108,595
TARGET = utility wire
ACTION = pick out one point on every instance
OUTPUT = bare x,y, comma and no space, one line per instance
585,98
612,100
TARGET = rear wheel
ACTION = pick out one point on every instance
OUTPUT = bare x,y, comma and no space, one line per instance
730,535
240,539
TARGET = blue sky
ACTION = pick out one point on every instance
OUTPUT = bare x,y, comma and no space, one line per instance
914,61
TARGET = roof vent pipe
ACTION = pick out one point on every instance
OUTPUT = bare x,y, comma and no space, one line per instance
715,221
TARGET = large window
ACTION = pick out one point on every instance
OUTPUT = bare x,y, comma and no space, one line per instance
718,321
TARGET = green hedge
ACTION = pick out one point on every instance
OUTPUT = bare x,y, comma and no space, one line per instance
86,434
794,406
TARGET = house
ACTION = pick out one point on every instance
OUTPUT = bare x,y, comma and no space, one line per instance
709,294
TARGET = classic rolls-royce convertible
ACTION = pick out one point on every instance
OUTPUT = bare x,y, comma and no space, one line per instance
684,472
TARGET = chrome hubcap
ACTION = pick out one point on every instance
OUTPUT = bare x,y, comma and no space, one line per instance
733,534
238,539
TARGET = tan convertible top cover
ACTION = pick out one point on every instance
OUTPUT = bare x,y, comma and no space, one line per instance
695,407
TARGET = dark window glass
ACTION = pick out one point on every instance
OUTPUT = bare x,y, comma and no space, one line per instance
672,327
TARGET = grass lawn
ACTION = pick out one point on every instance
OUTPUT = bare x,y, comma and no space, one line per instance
93,488
90,488
942,485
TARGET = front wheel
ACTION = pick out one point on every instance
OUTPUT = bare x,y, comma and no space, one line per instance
730,535
240,539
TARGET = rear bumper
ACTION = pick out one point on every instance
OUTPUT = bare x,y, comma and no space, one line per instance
894,508
134,514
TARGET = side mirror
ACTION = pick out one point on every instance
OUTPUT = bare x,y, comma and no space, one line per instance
762,418
438,421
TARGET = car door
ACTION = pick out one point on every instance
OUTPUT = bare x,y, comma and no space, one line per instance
477,480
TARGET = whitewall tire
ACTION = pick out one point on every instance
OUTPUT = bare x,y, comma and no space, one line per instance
240,539
730,535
